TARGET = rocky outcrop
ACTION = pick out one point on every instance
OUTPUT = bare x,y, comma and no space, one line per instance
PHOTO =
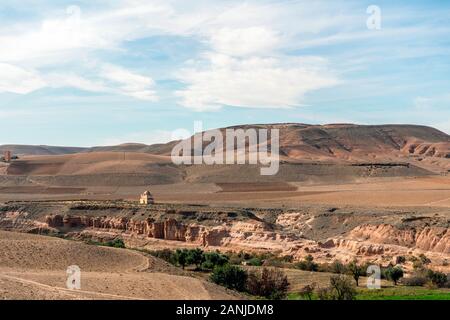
434,239
169,229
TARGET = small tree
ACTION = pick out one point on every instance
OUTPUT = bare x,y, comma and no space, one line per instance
355,271
181,257
307,291
196,257
229,276
394,274
338,267
212,259
342,288
307,264
269,283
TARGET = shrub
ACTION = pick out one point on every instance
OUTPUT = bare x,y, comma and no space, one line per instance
257,262
269,283
324,294
400,259
423,258
394,274
116,243
307,264
340,288
415,281
338,267
213,259
166,255
229,276
307,291
437,278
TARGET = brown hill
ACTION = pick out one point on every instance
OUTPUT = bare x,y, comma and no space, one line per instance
327,153
21,150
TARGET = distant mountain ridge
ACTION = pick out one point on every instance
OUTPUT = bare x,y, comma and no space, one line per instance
39,150
304,141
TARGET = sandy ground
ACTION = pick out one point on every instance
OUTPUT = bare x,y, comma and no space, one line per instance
34,267
374,192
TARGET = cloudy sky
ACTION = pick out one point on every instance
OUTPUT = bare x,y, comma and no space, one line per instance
86,73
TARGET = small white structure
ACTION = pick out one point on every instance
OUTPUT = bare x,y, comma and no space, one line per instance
146,198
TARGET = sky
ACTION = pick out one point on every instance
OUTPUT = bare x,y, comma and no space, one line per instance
86,73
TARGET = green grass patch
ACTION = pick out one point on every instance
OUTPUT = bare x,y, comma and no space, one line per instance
404,293
392,293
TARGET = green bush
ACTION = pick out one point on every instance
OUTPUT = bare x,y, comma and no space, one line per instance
307,264
116,243
231,277
212,259
394,274
195,256
181,257
256,262
437,278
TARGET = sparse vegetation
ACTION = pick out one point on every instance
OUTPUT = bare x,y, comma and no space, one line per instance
340,288
307,291
394,274
270,283
356,271
439,279
231,277
116,243
307,264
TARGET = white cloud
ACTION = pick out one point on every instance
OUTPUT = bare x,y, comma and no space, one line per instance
17,80
252,82
108,79
75,81
129,83
244,41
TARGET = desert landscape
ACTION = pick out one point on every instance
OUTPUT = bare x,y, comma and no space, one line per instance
344,192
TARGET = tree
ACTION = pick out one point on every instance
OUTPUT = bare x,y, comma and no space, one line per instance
307,291
270,283
355,271
308,264
196,257
341,288
394,274
212,259
181,257
229,276
338,267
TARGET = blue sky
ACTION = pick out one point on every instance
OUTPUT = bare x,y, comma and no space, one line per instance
87,73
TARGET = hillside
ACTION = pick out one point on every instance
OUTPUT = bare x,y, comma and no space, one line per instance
21,150
315,153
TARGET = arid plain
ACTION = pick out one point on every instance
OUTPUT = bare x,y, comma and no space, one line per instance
342,192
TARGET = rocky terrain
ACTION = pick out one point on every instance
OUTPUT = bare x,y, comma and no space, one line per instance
342,192
326,233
